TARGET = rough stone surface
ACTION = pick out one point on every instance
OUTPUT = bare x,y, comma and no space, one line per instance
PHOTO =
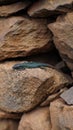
61,115
8,124
4,2
23,90
63,37
5,115
44,8
23,37
68,96
38,119
52,97
7,10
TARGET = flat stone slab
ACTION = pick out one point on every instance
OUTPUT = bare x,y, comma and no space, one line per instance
68,96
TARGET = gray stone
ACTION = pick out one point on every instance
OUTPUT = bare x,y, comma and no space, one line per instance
68,96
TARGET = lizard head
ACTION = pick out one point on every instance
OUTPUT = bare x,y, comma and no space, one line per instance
19,66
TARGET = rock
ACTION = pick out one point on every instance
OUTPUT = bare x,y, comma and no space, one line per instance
68,96
62,30
45,8
23,90
38,119
8,124
5,115
61,115
23,37
4,2
52,97
7,10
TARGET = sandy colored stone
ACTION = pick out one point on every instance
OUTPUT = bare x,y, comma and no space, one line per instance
52,97
45,8
61,115
62,30
5,115
23,36
38,119
8,124
7,10
23,90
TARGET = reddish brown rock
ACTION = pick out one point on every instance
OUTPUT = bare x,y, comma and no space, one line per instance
44,8
38,119
23,90
61,115
6,10
23,37
62,30
8,124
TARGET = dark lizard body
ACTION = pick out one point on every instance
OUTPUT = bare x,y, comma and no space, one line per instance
29,65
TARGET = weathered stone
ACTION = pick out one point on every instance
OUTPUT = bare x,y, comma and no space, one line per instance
7,10
38,119
4,2
23,90
61,115
52,97
44,8
23,36
8,124
5,115
68,96
63,37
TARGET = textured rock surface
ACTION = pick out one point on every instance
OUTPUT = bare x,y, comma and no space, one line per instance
63,37
23,90
23,36
7,1
61,115
5,115
38,119
8,125
44,8
7,10
52,97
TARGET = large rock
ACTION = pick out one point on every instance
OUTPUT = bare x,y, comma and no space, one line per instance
61,115
23,90
38,119
63,37
7,10
20,36
8,124
4,2
44,8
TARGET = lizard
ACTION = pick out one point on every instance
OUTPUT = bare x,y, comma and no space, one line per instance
31,64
